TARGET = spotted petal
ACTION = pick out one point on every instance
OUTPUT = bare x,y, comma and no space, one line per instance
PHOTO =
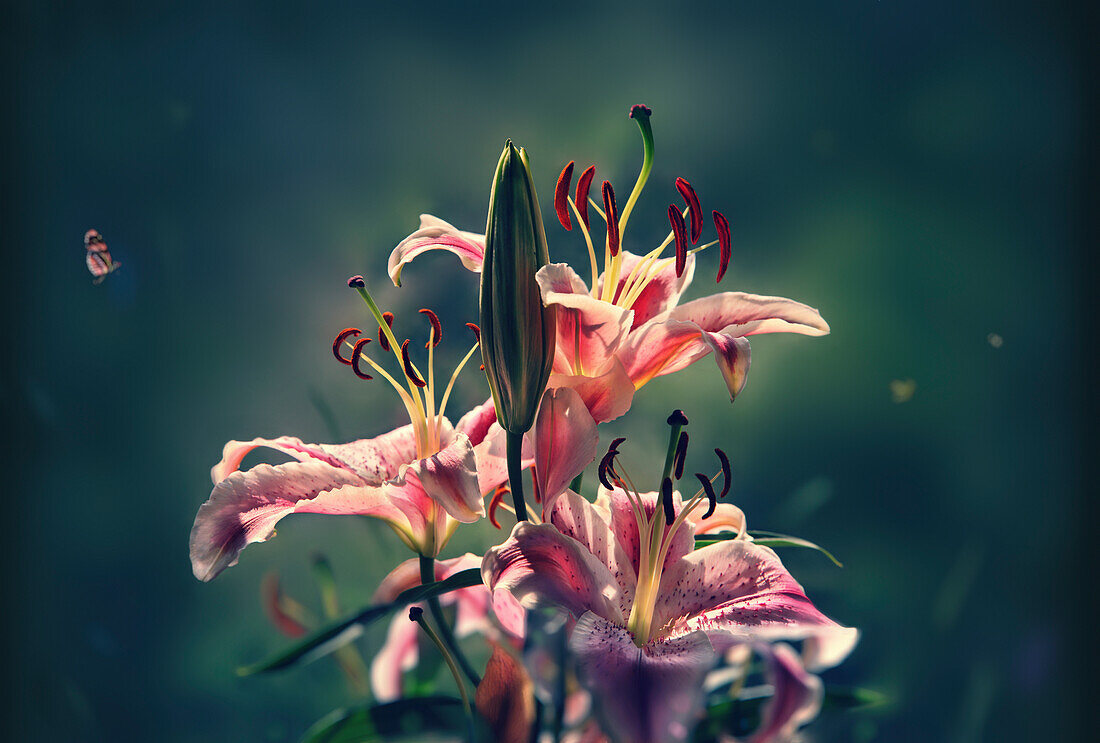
539,566
435,234
650,694
740,590
245,506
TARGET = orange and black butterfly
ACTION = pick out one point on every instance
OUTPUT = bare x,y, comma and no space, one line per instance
98,257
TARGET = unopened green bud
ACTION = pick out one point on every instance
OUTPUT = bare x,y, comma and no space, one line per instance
517,330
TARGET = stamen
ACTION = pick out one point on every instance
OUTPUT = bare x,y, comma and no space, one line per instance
406,362
666,500
725,472
342,336
607,465
357,282
437,328
681,454
677,418
680,233
692,200
612,215
476,331
356,356
494,503
723,226
561,196
581,199
709,490
382,339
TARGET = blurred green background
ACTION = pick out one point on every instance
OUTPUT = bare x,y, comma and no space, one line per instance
906,167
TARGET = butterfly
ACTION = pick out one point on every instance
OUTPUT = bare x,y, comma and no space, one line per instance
99,257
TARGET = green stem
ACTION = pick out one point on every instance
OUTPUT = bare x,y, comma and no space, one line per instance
417,616
427,575
515,473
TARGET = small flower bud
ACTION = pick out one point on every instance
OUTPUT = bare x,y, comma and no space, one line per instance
517,330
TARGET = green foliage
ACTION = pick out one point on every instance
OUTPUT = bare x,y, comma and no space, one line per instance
768,539
337,634
394,721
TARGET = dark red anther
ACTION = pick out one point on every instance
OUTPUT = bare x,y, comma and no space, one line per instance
437,328
357,282
612,214
723,226
615,444
416,613
666,500
356,355
606,471
681,454
407,363
382,339
342,336
476,331
494,503
581,199
561,196
677,418
709,490
692,200
680,233
726,474
640,109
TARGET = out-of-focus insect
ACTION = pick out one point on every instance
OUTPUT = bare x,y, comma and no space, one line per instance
99,257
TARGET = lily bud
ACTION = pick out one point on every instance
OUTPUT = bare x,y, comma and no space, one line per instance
517,330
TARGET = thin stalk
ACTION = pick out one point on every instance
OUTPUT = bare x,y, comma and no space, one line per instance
514,446
416,615
427,575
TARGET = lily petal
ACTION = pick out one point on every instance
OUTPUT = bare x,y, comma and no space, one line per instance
751,314
650,694
244,508
661,294
726,517
589,331
492,458
742,589
732,355
477,422
565,442
399,653
435,234
827,649
449,477
606,396
625,526
539,566
590,525
797,697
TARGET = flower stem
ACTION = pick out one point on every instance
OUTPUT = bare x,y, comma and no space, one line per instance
427,575
514,446
417,615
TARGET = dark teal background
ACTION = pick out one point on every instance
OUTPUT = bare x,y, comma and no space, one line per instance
910,168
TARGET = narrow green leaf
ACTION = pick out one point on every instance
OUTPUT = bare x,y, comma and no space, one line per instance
339,633
853,697
767,539
381,722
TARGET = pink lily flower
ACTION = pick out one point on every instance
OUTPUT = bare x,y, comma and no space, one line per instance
422,479
628,327
652,614
400,652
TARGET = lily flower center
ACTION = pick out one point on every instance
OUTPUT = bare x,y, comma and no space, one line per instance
418,391
657,531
